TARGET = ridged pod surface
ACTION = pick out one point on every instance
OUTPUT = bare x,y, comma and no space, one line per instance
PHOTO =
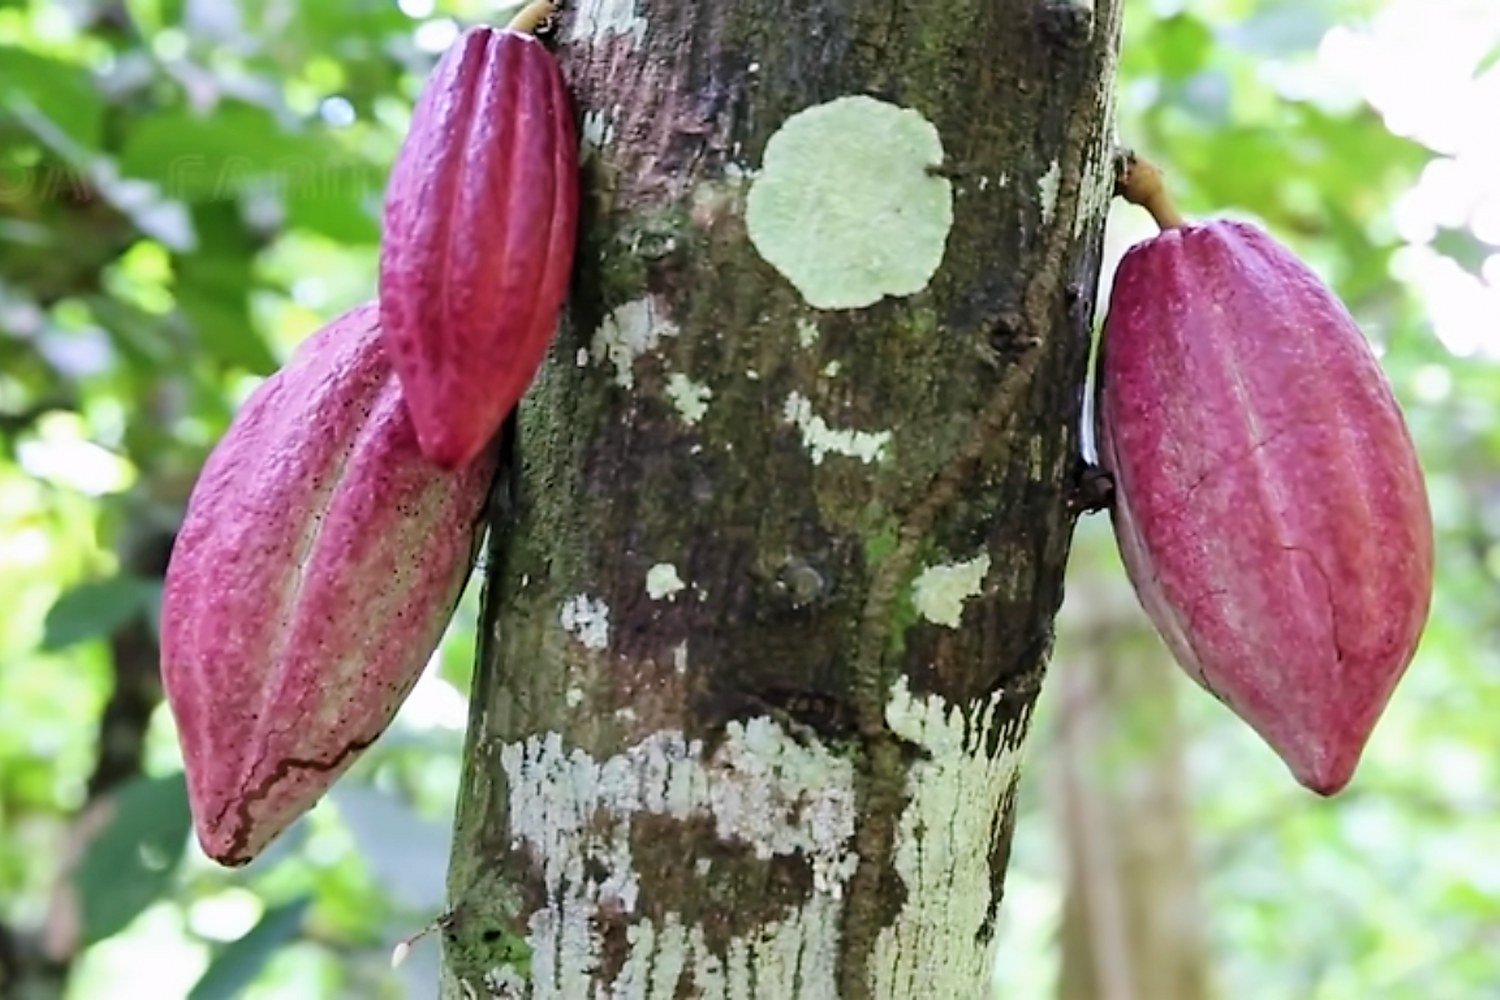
1269,505
318,564
481,218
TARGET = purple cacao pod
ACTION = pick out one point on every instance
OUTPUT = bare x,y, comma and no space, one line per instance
1269,507
481,219
319,562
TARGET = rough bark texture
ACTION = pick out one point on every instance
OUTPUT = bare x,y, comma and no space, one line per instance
771,586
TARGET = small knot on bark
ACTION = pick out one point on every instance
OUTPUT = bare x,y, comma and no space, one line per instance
1093,490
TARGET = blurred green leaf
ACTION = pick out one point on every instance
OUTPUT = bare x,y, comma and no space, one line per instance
133,859
137,334
151,16
213,289
210,292
96,609
344,205
62,92
340,22
1463,248
235,967
237,149
1182,46
1490,61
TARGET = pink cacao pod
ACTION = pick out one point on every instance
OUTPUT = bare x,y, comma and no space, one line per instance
316,568
481,218
1269,506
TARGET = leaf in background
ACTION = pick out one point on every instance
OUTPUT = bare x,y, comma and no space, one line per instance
131,861
1490,61
213,286
1257,190
1463,248
150,16
1183,45
1352,157
95,609
211,294
342,204
338,23
236,965
218,158
63,92
140,336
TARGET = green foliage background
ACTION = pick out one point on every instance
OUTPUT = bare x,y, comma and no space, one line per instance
187,189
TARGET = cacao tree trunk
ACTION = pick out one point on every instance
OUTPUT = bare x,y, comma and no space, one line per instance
773,571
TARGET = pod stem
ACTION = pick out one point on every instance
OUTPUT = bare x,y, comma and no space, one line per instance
532,17
1139,181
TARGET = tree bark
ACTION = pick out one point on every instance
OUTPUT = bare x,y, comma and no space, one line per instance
773,571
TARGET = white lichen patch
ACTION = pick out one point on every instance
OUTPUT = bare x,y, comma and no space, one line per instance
762,790
628,332
587,620
505,981
807,333
939,592
690,398
1098,188
596,20
821,440
1094,199
1046,190
574,697
832,369
845,226
597,132
938,945
663,583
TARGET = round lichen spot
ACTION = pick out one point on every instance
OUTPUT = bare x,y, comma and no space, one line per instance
846,206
